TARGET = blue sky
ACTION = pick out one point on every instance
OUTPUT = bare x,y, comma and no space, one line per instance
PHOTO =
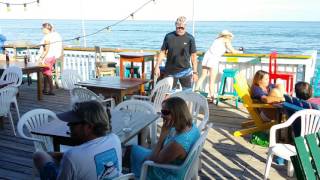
207,10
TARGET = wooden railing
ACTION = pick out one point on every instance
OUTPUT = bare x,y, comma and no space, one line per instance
83,60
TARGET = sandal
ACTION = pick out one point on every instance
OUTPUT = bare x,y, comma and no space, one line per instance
210,99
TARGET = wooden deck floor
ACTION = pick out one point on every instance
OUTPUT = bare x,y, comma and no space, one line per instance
224,156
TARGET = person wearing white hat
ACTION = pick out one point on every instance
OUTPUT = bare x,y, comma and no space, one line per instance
210,63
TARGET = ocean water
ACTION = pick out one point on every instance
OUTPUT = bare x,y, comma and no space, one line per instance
255,37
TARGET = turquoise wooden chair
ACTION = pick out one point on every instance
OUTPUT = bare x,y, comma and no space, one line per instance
316,84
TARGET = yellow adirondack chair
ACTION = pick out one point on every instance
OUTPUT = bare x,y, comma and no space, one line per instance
257,123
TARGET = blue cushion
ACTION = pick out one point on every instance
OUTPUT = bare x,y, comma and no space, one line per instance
306,104
288,98
296,101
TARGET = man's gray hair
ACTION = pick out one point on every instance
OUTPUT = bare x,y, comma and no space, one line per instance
181,20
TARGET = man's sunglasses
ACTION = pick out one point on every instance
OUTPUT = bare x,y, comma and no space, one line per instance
181,28
165,112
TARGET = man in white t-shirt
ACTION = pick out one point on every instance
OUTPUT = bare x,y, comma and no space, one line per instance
97,157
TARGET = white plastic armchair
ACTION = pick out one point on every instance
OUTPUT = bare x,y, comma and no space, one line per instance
34,119
198,106
190,164
7,95
69,78
158,93
310,123
83,94
125,177
140,106
13,74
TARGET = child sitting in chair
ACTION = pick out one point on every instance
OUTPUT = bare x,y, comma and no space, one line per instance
265,92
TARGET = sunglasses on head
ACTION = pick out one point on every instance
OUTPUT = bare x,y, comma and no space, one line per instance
165,112
181,28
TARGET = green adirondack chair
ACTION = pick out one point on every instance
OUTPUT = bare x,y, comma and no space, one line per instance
307,161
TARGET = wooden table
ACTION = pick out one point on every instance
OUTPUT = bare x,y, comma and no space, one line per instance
137,57
27,69
112,86
59,131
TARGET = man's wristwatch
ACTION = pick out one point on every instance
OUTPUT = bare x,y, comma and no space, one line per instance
195,72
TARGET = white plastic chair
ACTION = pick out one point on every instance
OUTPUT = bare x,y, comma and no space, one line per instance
190,164
198,106
13,74
158,93
34,119
310,123
69,78
125,177
139,106
7,96
83,94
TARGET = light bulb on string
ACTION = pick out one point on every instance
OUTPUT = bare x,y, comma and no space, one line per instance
8,7
132,15
77,41
25,7
108,29
38,3
154,1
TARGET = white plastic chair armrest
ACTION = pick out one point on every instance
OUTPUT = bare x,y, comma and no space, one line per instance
140,97
125,176
33,139
144,169
166,166
109,100
274,128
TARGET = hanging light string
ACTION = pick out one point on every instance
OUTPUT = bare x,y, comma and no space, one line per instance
19,4
131,15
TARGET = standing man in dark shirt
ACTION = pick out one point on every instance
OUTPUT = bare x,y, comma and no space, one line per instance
179,46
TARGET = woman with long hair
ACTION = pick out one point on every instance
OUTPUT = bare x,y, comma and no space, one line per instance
210,63
178,134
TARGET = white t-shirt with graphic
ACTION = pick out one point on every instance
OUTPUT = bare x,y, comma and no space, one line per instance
96,159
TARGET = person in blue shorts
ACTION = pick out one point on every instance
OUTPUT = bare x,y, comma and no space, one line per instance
179,46
178,135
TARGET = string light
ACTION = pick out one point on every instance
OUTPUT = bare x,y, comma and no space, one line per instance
108,29
8,7
25,7
19,4
76,40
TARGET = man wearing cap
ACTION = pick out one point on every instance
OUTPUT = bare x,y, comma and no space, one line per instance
98,155
179,46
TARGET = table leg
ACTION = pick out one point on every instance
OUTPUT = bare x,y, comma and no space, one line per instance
121,68
39,85
1,122
132,70
143,76
152,72
56,145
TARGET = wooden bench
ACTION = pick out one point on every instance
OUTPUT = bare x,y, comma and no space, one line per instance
307,161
